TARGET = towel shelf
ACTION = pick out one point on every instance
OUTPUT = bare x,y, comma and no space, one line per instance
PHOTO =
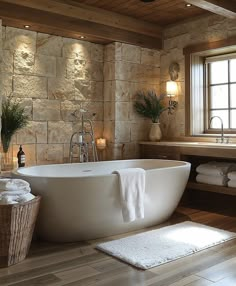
211,188
195,155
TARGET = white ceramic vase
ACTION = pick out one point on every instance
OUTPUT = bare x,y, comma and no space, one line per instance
155,132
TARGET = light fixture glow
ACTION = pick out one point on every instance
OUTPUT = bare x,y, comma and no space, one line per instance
188,5
82,37
171,88
27,26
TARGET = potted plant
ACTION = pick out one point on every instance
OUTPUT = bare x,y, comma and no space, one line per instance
13,119
150,105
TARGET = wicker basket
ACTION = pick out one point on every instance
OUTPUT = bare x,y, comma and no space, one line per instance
16,229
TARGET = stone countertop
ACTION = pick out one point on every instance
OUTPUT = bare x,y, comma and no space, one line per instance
191,144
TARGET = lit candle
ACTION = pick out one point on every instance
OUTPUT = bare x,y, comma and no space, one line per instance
101,143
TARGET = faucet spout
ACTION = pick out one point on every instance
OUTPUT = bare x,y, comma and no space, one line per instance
222,127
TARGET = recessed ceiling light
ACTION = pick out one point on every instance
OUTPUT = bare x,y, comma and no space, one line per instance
82,37
27,26
188,5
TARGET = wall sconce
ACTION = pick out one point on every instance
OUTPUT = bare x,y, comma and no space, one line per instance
101,143
171,91
172,87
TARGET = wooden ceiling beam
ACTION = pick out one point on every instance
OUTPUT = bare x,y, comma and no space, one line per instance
63,25
80,11
226,8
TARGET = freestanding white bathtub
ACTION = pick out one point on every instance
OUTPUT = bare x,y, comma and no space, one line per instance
82,201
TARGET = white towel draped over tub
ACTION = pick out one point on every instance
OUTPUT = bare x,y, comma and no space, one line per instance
132,190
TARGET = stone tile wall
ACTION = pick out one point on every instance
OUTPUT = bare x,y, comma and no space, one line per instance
211,28
127,69
51,77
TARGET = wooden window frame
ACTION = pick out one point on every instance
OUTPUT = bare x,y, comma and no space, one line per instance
195,85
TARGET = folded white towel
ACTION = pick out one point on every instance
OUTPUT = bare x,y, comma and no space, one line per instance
132,190
216,168
232,175
17,198
7,201
212,180
13,185
232,183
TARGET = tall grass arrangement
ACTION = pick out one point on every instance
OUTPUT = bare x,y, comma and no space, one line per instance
149,105
13,119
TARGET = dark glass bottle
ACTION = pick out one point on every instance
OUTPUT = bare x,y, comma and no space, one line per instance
21,157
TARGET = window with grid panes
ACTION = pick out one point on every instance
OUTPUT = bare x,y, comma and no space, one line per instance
220,93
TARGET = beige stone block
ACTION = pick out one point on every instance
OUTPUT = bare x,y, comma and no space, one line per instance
96,71
140,130
27,104
97,91
30,153
109,53
98,129
115,151
49,153
122,111
46,109
82,89
61,67
66,150
30,86
131,151
59,88
96,108
134,72
49,45
40,65
23,62
124,90
75,49
18,39
59,132
112,52
7,62
150,57
67,108
97,52
109,71
7,84
45,66
34,132
109,90
109,110
131,53
109,130
122,131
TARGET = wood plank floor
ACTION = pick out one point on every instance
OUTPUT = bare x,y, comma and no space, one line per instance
79,264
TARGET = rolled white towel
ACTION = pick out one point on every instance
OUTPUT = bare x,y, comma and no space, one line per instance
216,168
232,175
232,183
16,186
212,180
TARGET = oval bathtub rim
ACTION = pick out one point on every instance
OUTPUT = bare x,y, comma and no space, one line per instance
19,174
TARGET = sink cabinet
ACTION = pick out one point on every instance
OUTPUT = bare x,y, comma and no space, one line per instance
195,154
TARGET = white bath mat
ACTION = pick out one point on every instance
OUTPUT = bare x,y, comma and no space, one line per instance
156,247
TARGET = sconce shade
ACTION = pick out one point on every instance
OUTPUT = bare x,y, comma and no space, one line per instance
171,88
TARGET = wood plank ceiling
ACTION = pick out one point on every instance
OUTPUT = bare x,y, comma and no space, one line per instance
161,12
103,21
